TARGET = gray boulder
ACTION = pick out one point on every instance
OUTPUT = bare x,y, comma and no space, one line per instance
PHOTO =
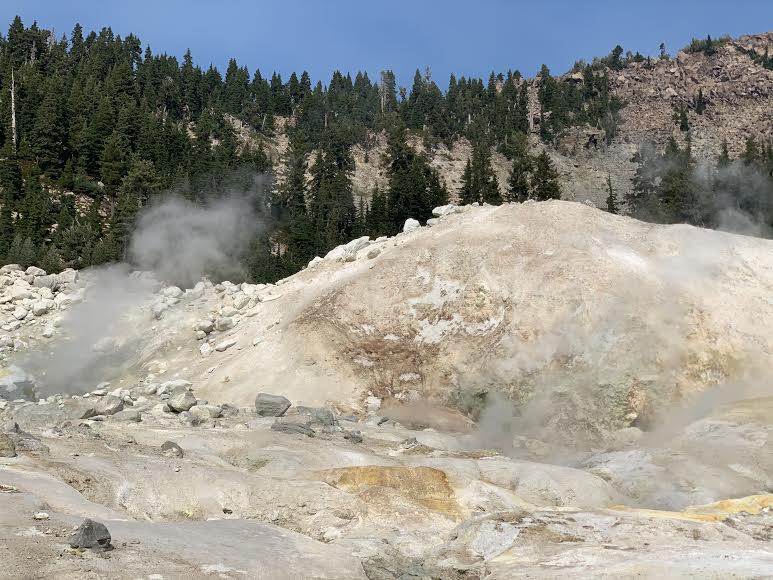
294,425
51,281
181,400
172,449
128,415
91,534
108,405
267,405
318,415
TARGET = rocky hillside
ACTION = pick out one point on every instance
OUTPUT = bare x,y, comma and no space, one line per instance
739,104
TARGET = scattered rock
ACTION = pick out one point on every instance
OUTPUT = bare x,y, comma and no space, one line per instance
318,415
410,225
181,400
225,345
224,323
267,405
353,436
172,449
129,415
91,534
294,426
41,516
108,405
205,326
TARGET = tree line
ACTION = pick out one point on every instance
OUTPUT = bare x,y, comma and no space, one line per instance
94,116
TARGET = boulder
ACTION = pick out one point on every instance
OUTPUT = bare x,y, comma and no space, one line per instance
128,415
68,276
410,225
225,345
172,292
293,425
50,282
345,252
91,534
181,400
7,446
267,405
108,405
35,271
240,301
172,449
444,210
8,268
318,415
20,313
224,323
205,325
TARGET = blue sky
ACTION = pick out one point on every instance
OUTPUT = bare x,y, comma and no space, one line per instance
468,38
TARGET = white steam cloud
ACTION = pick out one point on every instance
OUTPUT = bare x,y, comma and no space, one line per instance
180,241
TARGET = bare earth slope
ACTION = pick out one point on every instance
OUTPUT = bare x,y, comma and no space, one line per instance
531,300
514,391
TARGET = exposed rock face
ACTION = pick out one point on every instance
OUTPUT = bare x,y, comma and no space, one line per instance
739,93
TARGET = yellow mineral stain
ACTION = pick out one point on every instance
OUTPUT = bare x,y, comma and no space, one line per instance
713,512
424,486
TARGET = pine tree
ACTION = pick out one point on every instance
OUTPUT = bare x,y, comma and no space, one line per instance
611,197
700,102
545,179
6,223
467,193
520,182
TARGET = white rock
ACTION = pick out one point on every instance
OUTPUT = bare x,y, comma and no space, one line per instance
35,271
68,276
444,210
40,308
172,292
315,261
20,293
240,301
20,313
432,222
410,225
205,325
205,349
225,345
224,323
340,253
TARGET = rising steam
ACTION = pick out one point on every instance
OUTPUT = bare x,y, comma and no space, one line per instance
175,242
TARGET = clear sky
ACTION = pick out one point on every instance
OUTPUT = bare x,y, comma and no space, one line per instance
469,38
